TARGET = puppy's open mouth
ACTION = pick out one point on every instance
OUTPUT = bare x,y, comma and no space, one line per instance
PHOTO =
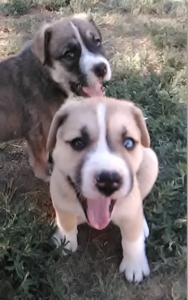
98,211
96,90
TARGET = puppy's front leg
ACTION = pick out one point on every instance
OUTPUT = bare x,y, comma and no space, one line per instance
67,230
134,263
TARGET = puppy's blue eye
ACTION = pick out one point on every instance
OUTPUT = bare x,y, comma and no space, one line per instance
77,144
129,143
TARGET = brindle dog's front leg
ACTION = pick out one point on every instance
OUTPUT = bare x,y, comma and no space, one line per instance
38,159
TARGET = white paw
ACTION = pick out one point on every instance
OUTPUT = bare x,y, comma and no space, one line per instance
70,239
145,228
135,268
134,263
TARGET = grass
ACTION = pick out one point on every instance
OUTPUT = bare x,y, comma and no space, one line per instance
22,7
146,44
28,259
16,7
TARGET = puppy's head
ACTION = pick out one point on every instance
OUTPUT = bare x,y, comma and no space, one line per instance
98,149
71,49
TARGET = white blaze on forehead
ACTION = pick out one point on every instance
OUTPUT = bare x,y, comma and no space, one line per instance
88,60
77,34
102,159
101,117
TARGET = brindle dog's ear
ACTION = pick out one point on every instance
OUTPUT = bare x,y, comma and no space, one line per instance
40,46
59,118
145,138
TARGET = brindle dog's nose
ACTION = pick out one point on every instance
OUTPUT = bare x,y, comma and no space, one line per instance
108,182
100,70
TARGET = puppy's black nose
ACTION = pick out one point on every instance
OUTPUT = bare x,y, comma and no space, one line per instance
100,70
108,182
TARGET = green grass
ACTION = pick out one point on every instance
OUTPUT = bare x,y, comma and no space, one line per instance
16,7
22,7
31,268
28,260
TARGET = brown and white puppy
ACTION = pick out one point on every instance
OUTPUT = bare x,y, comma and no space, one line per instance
103,169
65,57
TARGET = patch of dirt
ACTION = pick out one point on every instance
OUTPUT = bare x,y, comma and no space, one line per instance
14,168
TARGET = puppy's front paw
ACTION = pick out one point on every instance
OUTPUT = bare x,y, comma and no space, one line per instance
70,239
134,263
135,268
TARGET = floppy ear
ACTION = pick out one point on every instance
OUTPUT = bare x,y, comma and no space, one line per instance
57,121
40,46
145,138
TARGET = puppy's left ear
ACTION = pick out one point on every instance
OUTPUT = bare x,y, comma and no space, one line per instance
58,120
145,138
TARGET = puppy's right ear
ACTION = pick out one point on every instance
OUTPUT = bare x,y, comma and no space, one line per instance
40,45
59,118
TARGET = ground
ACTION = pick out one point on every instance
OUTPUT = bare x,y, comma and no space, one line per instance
146,45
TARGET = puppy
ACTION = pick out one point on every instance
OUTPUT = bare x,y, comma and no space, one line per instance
103,169
65,57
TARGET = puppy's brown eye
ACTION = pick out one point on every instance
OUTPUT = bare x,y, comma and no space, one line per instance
77,144
129,143
69,54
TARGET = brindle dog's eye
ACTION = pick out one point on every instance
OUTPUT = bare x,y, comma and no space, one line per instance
77,144
97,41
69,54
129,143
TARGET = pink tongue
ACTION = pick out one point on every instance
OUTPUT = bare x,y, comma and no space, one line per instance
98,212
93,91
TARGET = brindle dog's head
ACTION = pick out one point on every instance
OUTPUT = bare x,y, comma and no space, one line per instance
71,48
